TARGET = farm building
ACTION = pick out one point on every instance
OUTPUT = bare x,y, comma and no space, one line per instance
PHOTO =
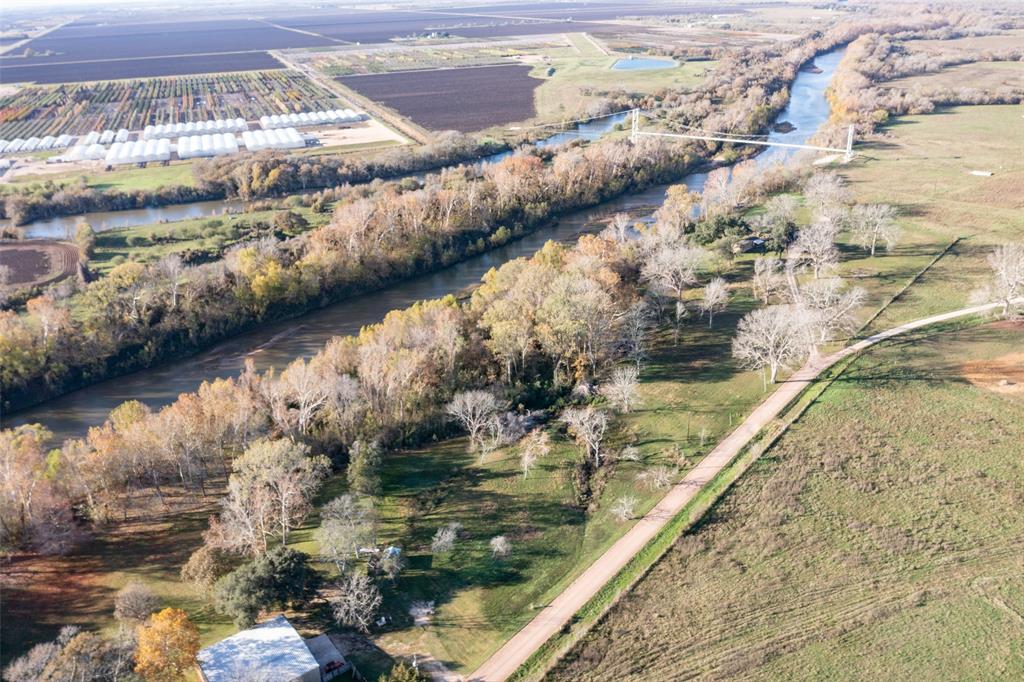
311,118
272,651
287,138
217,144
220,125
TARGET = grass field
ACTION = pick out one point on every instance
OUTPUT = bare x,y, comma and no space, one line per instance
583,71
923,167
987,76
149,243
872,542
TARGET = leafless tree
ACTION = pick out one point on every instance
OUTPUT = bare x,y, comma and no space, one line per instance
500,547
445,537
634,332
587,426
655,478
625,508
829,309
716,298
171,268
621,388
347,524
673,270
770,339
618,227
816,245
824,190
134,603
473,409
768,278
873,222
535,446
1007,285
356,603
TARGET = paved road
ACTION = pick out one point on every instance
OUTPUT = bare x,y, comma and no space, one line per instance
514,653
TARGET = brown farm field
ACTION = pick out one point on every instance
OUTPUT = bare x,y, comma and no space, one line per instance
882,535
38,262
465,99
980,75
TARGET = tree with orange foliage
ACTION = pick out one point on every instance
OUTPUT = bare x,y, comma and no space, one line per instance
167,647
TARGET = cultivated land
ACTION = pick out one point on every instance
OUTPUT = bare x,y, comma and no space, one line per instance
37,263
465,99
81,108
871,538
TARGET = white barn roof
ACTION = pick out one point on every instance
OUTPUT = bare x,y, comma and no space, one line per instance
272,649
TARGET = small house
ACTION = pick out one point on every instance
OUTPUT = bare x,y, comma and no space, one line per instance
272,650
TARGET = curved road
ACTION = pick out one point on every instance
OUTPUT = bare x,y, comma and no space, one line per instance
523,644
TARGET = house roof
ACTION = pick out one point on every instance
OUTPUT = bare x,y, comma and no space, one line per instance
273,648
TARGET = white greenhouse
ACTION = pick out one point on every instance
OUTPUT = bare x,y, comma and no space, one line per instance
216,144
311,118
220,125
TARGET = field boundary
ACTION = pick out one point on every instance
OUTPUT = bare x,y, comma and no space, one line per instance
688,518
911,282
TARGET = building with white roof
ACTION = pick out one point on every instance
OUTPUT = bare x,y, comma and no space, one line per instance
272,650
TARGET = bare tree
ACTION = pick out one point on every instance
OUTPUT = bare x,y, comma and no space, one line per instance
621,389
816,245
171,268
445,537
656,478
829,308
716,298
824,190
873,222
1007,285
624,508
535,446
768,278
618,227
347,524
356,603
500,547
770,339
269,494
587,426
634,332
473,409
134,603
673,270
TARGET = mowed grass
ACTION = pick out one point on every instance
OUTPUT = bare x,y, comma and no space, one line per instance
687,390
879,539
583,71
923,168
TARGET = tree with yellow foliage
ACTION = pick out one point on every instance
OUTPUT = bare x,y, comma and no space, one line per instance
167,646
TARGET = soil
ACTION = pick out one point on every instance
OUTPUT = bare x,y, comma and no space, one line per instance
1001,375
38,262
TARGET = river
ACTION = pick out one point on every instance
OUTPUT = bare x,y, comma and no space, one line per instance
276,344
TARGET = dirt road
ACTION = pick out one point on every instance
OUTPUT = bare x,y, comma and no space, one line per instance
514,653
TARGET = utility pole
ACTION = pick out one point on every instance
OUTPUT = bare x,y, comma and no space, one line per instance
849,145
636,125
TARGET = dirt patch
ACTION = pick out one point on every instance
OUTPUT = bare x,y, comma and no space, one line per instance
372,132
1001,375
38,262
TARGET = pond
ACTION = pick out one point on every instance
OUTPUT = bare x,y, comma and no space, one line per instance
643,64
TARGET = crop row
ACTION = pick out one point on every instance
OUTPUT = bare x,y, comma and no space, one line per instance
79,108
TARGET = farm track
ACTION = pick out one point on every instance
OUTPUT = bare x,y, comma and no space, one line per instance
504,662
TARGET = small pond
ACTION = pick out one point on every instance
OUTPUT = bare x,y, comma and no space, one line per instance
643,64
